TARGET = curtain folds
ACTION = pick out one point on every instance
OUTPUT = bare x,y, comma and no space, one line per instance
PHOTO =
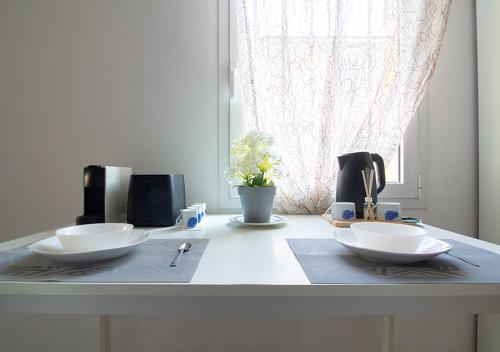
327,77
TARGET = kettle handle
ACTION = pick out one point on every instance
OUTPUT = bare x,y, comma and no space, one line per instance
377,159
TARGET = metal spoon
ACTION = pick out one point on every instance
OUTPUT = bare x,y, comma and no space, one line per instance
186,246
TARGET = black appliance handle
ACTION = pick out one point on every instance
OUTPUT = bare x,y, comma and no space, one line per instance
377,159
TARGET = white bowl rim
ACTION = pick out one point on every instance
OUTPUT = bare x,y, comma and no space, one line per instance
124,227
364,227
340,238
142,236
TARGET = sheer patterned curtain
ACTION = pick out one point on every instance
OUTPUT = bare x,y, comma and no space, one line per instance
326,77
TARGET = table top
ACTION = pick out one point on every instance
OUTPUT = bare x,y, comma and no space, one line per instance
244,261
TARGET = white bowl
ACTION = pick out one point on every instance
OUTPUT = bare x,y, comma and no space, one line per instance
93,237
388,237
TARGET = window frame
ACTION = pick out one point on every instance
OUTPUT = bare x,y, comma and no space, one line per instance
410,193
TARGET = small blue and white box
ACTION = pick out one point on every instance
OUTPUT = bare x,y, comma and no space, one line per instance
388,211
343,211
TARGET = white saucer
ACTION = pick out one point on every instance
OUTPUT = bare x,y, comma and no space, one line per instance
275,220
428,248
52,248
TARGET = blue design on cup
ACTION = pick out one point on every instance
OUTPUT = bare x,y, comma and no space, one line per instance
199,217
192,222
347,214
391,215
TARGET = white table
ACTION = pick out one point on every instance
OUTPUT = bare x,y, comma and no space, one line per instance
250,270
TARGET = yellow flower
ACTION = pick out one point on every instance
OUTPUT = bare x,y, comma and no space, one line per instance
265,164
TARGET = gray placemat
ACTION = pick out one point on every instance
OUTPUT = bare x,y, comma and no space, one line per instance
325,261
149,262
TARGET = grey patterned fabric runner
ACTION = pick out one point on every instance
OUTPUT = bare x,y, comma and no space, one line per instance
325,261
149,262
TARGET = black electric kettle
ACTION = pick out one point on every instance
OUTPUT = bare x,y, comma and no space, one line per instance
350,187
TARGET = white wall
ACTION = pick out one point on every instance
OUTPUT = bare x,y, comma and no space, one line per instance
125,82
488,53
488,32
451,181
103,82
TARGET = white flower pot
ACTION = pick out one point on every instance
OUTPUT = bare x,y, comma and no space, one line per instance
257,203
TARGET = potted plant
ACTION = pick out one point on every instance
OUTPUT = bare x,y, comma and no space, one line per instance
253,169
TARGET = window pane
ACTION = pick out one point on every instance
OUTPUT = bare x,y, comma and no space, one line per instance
394,167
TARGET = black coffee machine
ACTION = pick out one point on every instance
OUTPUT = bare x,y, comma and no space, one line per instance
104,194
350,187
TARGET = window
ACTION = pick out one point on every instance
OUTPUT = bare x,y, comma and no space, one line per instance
404,173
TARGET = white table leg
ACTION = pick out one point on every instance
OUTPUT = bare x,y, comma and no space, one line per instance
104,333
388,333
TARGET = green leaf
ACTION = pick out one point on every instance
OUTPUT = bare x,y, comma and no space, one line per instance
258,180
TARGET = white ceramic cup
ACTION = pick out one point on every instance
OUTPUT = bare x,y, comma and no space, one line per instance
199,210
203,208
388,211
188,218
343,211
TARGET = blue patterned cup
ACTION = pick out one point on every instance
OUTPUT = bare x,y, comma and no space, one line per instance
343,211
203,208
188,218
388,211
198,209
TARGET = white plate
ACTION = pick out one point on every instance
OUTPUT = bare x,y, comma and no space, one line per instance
275,220
429,247
52,248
